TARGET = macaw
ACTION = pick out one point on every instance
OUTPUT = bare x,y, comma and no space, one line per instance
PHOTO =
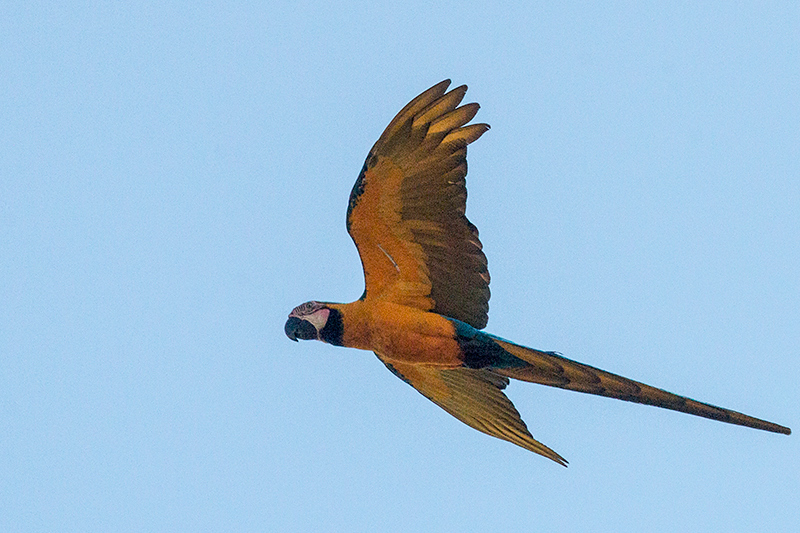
426,296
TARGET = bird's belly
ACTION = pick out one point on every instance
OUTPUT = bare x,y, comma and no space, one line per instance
425,348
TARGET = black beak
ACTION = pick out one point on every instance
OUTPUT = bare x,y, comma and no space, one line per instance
297,328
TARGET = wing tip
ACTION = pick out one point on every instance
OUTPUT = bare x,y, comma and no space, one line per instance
440,87
553,456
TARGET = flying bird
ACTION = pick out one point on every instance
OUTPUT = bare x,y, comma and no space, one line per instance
426,296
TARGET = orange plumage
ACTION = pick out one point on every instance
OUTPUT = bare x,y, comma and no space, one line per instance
426,294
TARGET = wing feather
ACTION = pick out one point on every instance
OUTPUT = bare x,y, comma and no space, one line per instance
467,134
440,107
454,119
475,397
407,209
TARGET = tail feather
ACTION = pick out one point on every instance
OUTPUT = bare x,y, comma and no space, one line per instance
548,368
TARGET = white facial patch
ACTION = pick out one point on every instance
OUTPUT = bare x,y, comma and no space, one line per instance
318,319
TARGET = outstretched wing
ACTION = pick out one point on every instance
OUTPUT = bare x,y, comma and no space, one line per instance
406,213
474,396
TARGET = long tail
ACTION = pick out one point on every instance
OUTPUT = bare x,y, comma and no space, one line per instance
549,368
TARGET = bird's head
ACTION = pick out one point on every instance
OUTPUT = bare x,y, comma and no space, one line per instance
314,320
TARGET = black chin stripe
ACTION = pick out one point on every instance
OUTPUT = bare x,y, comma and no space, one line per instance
334,329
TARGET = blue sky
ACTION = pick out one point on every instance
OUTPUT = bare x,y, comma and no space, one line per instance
174,179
